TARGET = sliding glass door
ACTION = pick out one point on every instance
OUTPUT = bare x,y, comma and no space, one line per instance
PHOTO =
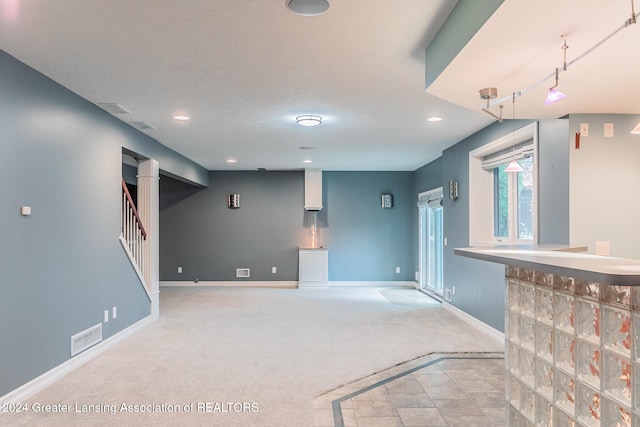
431,241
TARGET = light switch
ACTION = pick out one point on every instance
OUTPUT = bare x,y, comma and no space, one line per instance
25,211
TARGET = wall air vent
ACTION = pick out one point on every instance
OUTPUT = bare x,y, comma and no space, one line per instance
243,272
142,125
113,108
85,339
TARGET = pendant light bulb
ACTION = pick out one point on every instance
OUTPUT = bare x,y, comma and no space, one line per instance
513,167
554,94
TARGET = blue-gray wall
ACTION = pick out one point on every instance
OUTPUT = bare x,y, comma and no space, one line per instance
365,241
62,266
209,240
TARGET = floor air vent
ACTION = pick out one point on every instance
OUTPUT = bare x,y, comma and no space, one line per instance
86,339
243,272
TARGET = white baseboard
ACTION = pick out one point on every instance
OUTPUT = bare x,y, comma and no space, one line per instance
383,284
233,284
286,284
495,334
24,392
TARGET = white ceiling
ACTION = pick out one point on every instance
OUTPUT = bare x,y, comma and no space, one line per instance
244,69
521,44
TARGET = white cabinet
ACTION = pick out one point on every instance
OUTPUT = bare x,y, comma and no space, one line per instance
313,267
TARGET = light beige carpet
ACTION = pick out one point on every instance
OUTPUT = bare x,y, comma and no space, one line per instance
249,357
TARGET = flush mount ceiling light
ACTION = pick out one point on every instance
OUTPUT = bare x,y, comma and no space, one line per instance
434,119
181,117
307,7
308,120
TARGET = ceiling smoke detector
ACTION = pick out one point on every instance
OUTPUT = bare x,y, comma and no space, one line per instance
308,7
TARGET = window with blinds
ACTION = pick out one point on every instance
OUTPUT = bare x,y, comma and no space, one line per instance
502,205
513,212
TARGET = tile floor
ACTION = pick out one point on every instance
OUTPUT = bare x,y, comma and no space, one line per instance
435,390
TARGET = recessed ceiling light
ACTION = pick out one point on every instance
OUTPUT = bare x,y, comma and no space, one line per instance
434,119
308,161
181,117
308,7
309,120
232,161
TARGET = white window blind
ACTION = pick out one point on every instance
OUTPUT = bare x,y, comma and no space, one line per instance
431,199
435,203
518,152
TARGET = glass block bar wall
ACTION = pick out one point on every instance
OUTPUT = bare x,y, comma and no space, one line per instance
572,351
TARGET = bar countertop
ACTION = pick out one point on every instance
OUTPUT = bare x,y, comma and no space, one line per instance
564,262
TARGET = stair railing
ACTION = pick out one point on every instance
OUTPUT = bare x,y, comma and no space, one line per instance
133,231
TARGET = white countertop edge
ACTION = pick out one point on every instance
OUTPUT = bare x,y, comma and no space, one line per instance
597,268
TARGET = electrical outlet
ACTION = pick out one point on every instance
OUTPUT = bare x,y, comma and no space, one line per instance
106,316
397,270
114,312
274,270
445,241
447,295
603,247
179,270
